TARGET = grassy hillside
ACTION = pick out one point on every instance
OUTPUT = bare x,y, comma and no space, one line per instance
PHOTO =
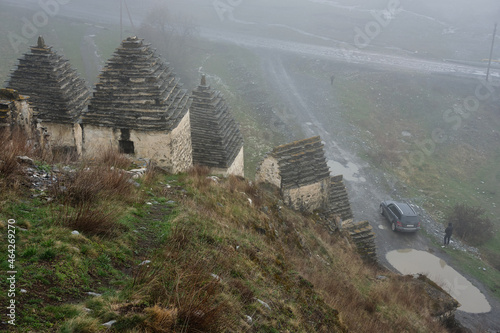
184,253
416,129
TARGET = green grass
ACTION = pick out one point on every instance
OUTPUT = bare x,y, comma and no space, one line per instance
463,169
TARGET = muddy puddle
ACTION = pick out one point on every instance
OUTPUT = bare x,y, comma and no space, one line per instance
414,262
350,171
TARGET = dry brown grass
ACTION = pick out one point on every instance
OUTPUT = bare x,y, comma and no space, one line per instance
89,197
89,219
236,184
187,297
282,257
12,146
112,158
366,304
198,175
90,184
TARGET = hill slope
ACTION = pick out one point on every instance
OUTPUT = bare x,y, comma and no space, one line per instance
186,253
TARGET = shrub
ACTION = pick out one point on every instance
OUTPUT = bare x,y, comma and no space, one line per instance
91,184
470,224
85,218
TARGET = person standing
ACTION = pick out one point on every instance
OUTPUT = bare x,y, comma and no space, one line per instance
447,233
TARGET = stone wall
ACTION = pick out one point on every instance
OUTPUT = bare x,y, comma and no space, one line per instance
58,95
15,111
216,137
171,150
269,172
307,198
67,136
300,170
237,168
363,236
338,198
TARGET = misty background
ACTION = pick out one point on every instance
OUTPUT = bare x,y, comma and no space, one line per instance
447,29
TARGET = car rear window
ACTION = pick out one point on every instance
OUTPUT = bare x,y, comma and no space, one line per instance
411,219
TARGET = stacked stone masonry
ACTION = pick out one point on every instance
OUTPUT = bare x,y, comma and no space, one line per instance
363,236
137,90
58,95
300,170
140,108
216,138
56,91
15,111
301,163
338,199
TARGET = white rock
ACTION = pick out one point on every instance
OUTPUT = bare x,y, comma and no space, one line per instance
145,262
25,159
75,232
264,304
249,319
109,323
91,293
214,179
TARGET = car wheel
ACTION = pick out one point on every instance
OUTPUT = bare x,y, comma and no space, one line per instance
381,210
393,226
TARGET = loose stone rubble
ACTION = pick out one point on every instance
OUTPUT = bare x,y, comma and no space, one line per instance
216,138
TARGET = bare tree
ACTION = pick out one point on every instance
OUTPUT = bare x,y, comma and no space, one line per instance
470,224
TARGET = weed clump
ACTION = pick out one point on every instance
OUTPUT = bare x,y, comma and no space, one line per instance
13,145
89,197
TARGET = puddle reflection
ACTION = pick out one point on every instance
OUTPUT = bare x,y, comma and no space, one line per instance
349,171
410,261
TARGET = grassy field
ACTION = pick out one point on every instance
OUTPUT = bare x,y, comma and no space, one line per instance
398,114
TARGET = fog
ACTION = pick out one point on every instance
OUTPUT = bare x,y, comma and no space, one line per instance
436,29
332,68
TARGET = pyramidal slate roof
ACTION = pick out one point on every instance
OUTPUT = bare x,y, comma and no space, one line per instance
216,137
137,90
301,162
56,91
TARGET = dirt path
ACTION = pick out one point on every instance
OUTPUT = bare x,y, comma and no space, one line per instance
312,103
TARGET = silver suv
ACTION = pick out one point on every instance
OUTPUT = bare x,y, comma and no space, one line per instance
401,216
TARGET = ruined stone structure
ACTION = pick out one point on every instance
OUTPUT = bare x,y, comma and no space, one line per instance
56,92
15,111
139,107
300,170
361,233
216,137
338,200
